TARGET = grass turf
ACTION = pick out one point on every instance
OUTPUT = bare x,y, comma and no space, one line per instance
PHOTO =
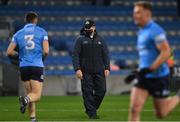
70,108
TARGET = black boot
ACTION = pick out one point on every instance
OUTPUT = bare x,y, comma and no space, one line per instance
22,104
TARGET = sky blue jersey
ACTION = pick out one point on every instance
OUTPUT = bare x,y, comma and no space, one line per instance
30,42
148,37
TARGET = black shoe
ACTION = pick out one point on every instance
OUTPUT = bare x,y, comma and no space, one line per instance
33,119
94,117
22,105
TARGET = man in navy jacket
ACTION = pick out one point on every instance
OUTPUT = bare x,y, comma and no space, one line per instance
92,65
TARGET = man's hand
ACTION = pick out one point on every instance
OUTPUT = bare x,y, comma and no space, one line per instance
79,74
106,73
144,71
137,74
131,77
14,58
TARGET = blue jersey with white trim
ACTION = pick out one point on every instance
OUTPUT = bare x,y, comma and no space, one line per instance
30,42
148,37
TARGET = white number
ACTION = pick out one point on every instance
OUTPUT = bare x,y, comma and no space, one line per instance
30,43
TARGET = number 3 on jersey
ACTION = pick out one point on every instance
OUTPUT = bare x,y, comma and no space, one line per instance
29,42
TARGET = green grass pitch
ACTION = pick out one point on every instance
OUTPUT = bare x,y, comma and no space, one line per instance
70,108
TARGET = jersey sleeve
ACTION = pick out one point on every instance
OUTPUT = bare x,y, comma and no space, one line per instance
158,35
45,36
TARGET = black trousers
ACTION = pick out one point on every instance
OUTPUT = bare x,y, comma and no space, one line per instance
93,91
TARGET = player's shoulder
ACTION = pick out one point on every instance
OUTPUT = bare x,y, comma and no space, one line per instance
40,29
19,32
156,27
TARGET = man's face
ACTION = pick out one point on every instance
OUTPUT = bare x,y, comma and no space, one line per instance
91,30
141,15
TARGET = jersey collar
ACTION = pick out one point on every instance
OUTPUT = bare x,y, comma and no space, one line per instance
29,24
148,24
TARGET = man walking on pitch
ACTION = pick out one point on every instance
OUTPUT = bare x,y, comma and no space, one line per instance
91,63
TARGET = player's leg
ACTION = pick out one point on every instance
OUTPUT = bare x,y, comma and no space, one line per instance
160,92
25,77
35,94
36,74
32,111
163,106
31,98
137,100
31,106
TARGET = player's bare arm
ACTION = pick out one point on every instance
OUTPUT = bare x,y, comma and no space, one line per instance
10,50
46,47
165,52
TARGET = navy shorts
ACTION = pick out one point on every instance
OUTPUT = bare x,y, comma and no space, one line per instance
32,73
157,87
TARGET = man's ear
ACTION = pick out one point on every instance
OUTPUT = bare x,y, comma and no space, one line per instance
148,13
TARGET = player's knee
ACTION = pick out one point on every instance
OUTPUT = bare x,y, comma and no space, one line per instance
136,108
38,96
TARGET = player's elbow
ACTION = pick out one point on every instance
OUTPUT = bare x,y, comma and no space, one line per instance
169,54
8,53
166,54
46,52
